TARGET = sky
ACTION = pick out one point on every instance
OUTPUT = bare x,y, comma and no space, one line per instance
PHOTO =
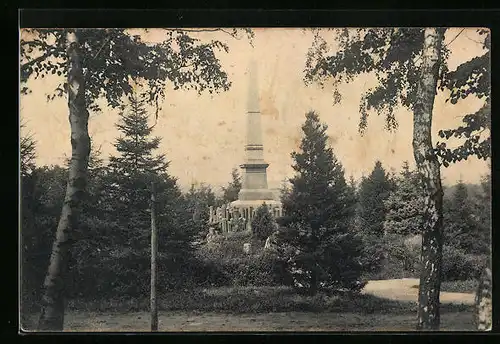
203,136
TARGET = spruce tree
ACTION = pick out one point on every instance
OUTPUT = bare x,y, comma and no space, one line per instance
462,228
405,204
319,210
129,197
373,191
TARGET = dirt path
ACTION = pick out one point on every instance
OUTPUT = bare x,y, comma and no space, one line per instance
401,290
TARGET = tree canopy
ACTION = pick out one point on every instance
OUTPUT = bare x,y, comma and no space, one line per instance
394,55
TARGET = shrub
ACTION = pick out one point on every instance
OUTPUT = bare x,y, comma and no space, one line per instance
263,269
401,257
459,265
263,224
467,286
226,264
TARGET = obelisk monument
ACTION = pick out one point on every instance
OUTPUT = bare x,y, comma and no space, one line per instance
254,185
254,191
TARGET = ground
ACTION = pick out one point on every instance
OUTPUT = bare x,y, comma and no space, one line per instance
388,305
406,289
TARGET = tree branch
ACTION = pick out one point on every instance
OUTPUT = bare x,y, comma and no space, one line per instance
30,63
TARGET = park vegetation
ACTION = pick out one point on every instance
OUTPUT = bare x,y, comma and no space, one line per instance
85,224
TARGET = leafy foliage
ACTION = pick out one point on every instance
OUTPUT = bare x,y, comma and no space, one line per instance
394,56
319,212
198,200
470,78
227,264
232,190
459,265
114,57
390,53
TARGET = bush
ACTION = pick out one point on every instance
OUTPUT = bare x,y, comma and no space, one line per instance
468,286
264,269
263,224
226,258
401,257
459,265
374,252
128,274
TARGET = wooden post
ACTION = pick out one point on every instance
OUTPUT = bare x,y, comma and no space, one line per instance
154,251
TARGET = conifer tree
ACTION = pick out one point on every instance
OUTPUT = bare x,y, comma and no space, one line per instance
462,228
373,191
319,210
405,204
128,199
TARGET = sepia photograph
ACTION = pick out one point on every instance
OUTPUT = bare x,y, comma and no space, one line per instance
255,179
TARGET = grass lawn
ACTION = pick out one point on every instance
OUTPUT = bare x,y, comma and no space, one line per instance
258,309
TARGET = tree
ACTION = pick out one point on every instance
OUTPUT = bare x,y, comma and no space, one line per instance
409,64
198,200
373,191
232,190
92,237
29,205
101,63
405,205
471,78
463,229
263,224
318,215
42,197
482,211
125,206
27,153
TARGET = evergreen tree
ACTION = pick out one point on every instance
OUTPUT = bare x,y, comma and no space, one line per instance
373,191
318,216
462,227
405,204
27,153
231,191
483,211
128,203
263,223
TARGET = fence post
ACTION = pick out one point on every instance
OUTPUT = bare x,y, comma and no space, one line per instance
154,251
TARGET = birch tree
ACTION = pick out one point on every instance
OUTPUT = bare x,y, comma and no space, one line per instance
93,64
410,67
